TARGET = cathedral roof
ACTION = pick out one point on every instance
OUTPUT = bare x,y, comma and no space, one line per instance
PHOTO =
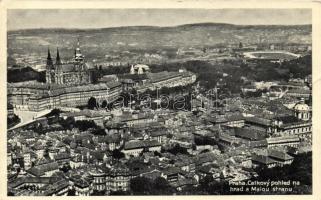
68,68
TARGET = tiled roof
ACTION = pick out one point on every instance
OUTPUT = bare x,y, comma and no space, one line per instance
287,119
171,170
293,138
68,67
136,144
51,189
250,134
40,180
264,159
259,143
62,156
40,170
299,91
279,155
161,132
257,120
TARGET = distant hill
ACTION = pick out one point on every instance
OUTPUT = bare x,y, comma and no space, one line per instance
100,41
149,28
189,34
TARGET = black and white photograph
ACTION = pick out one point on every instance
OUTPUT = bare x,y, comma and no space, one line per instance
159,101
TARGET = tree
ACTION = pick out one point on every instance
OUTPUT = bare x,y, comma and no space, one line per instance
99,131
178,149
141,185
55,112
68,123
104,104
98,193
162,187
92,103
71,192
118,193
117,154
12,121
65,168
205,182
156,153
146,186
84,125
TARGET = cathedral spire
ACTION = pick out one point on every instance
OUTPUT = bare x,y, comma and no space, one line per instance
49,60
58,61
49,56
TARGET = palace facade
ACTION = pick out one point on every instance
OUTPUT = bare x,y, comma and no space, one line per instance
35,96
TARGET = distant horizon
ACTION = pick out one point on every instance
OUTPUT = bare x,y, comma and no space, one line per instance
25,19
200,23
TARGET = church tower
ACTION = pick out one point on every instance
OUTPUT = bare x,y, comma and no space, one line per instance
58,69
79,58
49,68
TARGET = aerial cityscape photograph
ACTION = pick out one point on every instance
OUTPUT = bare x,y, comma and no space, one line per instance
105,102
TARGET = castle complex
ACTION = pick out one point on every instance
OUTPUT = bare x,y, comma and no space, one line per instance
67,85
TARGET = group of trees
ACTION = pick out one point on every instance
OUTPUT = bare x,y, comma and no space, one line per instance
117,154
12,121
20,74
300,67
82,125
146,186
92,103
199,140
178,149
249,94
300,170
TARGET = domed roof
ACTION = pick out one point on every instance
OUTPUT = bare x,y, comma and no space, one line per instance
141,66
301,106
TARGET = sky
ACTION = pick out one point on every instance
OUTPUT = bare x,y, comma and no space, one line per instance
103,18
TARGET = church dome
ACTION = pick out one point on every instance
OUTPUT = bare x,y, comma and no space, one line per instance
141,66
301,106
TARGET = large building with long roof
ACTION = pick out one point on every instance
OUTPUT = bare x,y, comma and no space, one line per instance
35,96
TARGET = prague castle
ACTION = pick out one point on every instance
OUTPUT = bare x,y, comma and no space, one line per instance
67,85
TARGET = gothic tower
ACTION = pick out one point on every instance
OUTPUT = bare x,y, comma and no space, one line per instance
49,68
58,69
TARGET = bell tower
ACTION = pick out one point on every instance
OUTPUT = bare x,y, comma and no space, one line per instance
78,58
